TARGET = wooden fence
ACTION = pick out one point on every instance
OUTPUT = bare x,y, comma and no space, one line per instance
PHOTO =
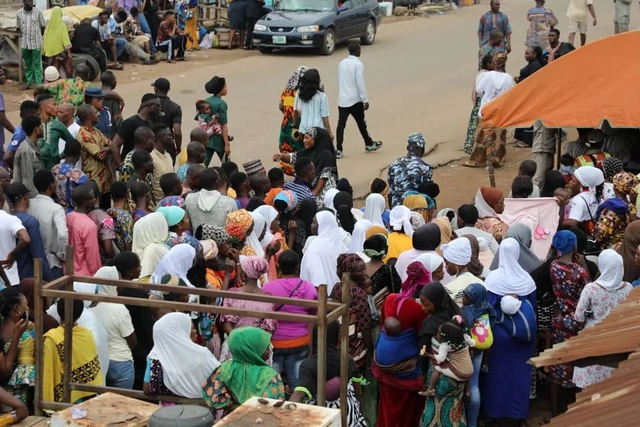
326,312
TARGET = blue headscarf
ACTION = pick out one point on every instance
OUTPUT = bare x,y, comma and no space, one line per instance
479,306
564,241
615,204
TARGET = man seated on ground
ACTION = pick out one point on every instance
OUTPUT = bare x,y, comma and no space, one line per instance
86,39
171,38
131,50
135,21
132,32
111,44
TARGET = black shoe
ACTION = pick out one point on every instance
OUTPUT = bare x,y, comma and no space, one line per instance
374,147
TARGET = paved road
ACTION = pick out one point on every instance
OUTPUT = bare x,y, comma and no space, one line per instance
419,75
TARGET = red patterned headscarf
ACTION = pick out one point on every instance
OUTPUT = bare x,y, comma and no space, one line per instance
347,262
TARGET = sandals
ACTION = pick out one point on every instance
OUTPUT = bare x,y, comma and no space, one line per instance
115,67
472,164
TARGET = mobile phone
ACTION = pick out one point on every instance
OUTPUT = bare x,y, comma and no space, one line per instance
25,316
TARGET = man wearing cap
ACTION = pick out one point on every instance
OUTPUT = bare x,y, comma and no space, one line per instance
125,136
408,172
170,115
95,97
51,74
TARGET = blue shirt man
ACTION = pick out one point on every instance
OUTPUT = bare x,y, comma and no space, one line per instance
95,96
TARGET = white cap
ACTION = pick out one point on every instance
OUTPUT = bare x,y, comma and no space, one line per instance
51,74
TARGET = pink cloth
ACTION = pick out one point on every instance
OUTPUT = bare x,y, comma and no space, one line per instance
406,258
269,325
542,212
83,236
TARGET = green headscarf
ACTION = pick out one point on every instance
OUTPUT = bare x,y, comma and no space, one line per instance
56,35
247,374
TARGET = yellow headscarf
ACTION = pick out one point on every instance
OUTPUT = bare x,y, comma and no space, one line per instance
417,203
376,229
56,35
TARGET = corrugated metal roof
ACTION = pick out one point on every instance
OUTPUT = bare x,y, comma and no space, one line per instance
618,333
613,402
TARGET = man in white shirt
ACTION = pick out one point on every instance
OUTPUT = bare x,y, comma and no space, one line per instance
467,218
578,13
352,99
53,222
66,116
11,231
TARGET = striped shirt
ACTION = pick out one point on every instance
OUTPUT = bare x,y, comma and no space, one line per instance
30,23
300,188
312,112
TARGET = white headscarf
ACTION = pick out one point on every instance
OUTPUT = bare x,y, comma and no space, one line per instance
510,278
185,364
177,261
253,240
320,260
110,273
431,261
269,213
611,269
454,221
359,235
149,236
457,252
328,198
400,218
589,176
374,209
484,210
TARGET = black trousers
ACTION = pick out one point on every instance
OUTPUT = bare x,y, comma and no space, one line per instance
248,40
357,111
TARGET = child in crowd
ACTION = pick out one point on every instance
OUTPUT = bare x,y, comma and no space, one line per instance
276,180
450,355
566,167
140,197
122,220
479,316
171,190
522,187
432,190
229,168
240,184
206,120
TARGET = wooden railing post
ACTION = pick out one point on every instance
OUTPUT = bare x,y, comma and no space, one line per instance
38,316
344,347
68,329
321,345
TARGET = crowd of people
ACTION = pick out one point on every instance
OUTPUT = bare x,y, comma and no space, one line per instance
447,303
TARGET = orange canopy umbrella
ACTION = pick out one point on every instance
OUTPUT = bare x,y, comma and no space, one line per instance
581,89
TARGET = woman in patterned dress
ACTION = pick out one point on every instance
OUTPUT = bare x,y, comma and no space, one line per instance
246,375
596,302
568,278
17,345
288,143
486,65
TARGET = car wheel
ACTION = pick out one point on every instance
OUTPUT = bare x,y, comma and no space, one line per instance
265,49
328,43
94,67
370,34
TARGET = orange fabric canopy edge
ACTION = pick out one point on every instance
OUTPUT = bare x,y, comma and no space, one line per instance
599,81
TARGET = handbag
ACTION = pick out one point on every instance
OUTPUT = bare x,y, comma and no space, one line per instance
593,247
481,333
